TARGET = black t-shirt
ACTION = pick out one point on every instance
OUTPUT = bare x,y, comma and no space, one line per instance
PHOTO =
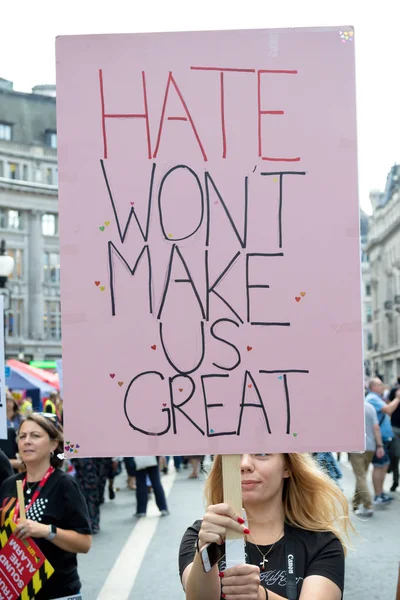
9,446
316,553
60,503
396,415
6,469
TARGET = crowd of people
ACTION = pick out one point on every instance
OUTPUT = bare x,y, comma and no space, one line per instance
292,502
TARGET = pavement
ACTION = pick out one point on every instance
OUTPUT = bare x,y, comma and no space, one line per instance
138,560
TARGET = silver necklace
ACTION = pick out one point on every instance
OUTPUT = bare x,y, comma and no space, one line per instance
29,489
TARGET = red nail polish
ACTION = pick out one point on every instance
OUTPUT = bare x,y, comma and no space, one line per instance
246,531
221,574
223,595
240,520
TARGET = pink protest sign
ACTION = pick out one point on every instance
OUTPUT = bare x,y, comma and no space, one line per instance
210,242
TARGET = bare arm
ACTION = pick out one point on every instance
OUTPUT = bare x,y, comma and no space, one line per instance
377,435
199,585
68,540
71,541
391,407
316,587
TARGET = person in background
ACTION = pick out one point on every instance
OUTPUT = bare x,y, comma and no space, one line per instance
395,447
142,492
195,461
177,464
56,512
6,469
328,463
360,462
49,405
89,473
9,446
13,413
26,407
130,467
111,468
384,412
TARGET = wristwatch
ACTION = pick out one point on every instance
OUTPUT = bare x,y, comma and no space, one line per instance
52,532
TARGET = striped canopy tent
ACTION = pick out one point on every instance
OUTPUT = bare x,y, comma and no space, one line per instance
45,376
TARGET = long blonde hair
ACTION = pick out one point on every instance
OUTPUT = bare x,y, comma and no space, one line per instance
311,500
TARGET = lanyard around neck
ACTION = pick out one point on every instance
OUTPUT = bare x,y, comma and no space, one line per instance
41,485
291,583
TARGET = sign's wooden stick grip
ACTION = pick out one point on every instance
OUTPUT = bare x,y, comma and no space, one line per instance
232,487
20,493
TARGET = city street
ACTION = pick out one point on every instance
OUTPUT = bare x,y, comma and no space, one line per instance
138,560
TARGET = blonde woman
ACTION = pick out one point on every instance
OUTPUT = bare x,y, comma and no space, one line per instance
297,521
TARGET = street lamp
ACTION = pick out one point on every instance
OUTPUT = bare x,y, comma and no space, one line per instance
6,265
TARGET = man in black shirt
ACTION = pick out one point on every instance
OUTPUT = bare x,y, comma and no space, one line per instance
395,449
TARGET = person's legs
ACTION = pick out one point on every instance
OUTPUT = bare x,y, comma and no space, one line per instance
154,474
131,471
91,472
195,462
395,456
141,492
378,477
361,494
178,462
381,466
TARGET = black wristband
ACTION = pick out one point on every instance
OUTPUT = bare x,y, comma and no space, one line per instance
266,593
379,446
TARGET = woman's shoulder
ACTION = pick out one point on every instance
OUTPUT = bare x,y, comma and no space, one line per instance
190,534
314,541
195,527
64,479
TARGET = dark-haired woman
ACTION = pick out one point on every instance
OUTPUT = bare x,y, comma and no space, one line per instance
56,512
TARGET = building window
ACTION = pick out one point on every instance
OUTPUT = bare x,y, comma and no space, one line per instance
1,168
364,257
52,320
368,289
51,267
18,256
13,319
369,314
49,224
38,175
49,176
5,132
51,139
55,177
25,172
10,219
13,171
370,341
14,219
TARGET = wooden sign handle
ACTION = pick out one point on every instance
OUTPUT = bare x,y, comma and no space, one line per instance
21,500
232,487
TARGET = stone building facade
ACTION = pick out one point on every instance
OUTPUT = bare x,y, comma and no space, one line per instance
383,249
29,221
366,295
